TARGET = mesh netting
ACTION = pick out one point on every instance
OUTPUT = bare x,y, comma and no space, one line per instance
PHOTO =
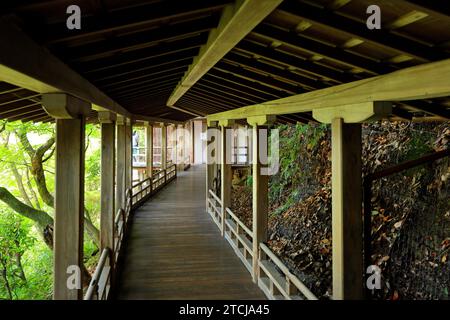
411,233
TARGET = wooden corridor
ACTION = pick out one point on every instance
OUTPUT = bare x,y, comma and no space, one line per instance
175,251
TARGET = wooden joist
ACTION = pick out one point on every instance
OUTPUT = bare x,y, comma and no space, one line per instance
358,29
22,64
236,22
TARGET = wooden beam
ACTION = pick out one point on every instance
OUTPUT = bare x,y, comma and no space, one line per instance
346,210
355,113
131,17
420,82
337,4
236,22
438,9
162,74
407,19
69,208
281,74
186,111
431,108
22,64
131,59
140,40
264,80
383,37
165,63
226,78
318,48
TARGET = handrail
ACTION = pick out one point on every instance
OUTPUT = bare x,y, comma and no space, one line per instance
241,224
149,186
290,278
215,197
241,242
95,281
273,275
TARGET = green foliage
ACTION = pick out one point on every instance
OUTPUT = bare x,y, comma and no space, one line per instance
296,141
32,278
249,181
418,145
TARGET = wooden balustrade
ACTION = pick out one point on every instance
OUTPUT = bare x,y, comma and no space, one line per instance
274,278
100,285
142,190
240,238
276,281
215,208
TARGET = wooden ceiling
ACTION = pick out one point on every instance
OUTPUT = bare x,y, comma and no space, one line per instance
138,51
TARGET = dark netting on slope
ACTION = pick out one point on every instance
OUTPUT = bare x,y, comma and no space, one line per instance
411,233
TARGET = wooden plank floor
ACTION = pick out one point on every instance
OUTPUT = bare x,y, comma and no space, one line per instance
175,250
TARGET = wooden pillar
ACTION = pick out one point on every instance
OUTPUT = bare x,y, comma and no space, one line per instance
225,172
150,150
120,163
260,185
70,115
347,211
107,196
128,154
211,157
163,146
180,148
192,132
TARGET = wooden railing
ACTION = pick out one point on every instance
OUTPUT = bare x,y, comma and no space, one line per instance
240,238
215,208
100,285
276,281
145,188
274,278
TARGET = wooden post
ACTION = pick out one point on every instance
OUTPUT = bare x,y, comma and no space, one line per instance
120,163
69,193
149,157
260,201
179,147
192,131
128,154
225,172
347,211
163,146
211,158
107,199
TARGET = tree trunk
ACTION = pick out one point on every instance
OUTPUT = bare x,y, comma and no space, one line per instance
91,229
5,279
42,219
20,185
33,194
20,267
37,171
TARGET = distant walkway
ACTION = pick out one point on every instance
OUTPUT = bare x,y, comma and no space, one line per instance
175,250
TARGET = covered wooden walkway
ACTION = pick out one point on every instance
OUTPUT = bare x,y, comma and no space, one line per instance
175,251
